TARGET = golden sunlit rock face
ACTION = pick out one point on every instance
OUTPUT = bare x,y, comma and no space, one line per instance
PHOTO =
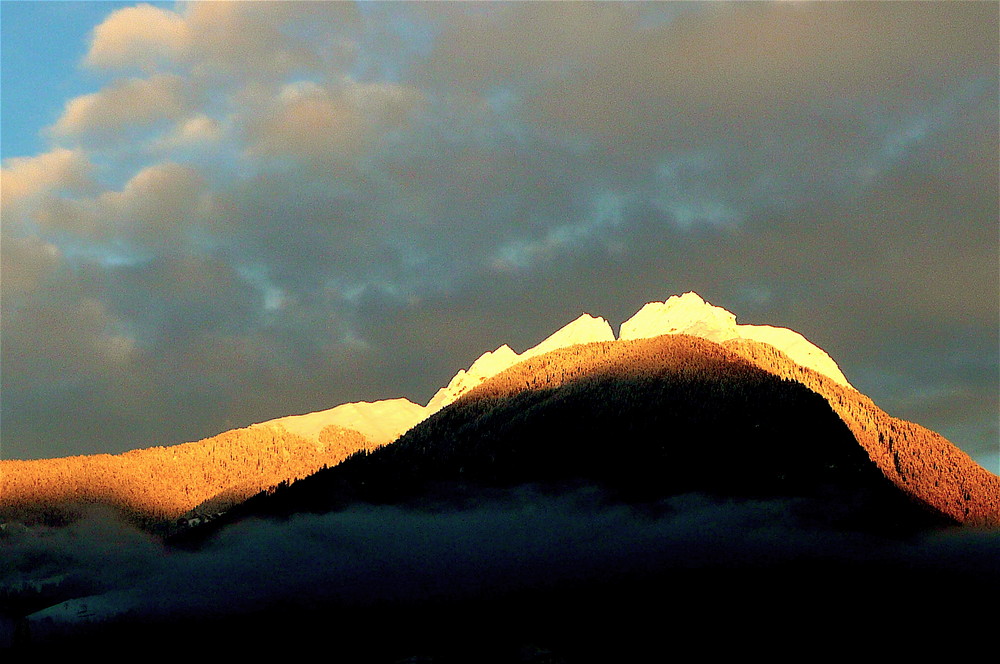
216,473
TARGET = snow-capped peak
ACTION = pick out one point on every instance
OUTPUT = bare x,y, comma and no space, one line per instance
680,314
690,314
583,330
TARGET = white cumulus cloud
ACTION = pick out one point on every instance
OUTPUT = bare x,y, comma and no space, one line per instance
58,169
127,103
141,36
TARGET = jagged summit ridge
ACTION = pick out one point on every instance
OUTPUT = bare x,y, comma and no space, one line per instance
383,421
690,314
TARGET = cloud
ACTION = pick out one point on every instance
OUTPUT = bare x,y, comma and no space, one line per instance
273,39
761,65
385,191
156,202
141,36
198,131
310,121
235,39
59,170
514,45
89,339
154,211
27,263
124,105
575,551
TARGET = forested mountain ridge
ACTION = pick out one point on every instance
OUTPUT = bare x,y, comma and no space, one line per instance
916,459
159,484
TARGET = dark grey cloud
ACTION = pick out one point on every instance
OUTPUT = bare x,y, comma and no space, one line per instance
353,203
378,557
769,65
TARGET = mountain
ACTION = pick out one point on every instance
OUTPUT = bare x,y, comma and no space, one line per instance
201,478
920,462
208,476
465,421
157,485
590,499
380,422
680,314
651,418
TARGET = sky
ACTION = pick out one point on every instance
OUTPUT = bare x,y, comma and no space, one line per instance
215,214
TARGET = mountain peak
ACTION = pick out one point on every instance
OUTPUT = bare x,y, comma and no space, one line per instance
681,314
492,361
690,314
584,330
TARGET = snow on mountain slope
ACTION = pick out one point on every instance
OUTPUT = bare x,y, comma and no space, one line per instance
689,314
380,421
680,314
489,364
585,329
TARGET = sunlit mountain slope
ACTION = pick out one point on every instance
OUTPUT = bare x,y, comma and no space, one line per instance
919,461
163,483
